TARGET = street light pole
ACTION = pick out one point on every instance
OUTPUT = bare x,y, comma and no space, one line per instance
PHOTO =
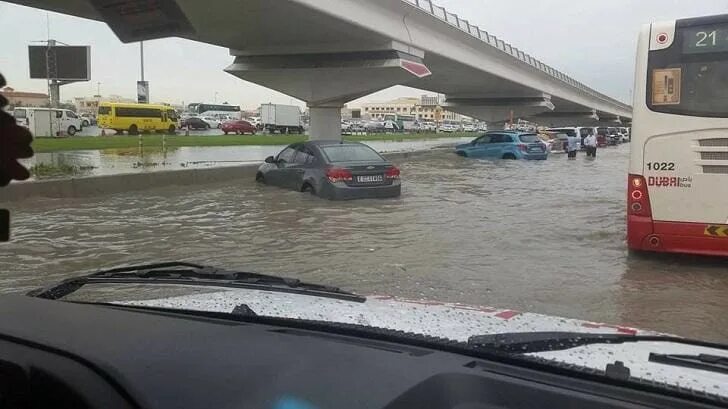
141,51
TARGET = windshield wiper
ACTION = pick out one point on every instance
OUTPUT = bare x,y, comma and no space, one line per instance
705,362
192,274
529,342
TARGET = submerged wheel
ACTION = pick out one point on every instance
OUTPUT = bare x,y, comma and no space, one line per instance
307,187
133,130
509,156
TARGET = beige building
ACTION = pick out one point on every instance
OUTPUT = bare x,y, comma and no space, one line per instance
425,108
24,99
90,105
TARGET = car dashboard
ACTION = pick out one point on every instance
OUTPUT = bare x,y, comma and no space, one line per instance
64,354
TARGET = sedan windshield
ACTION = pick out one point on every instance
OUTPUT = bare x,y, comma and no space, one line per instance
351,153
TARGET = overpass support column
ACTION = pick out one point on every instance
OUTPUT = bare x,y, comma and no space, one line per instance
325,122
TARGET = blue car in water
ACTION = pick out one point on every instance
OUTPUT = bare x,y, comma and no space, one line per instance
505,145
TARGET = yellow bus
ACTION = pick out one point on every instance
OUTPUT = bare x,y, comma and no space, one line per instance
135,118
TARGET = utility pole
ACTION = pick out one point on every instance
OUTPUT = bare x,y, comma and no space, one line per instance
142,86
141,52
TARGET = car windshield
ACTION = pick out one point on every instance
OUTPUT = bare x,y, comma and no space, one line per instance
351,153
435,161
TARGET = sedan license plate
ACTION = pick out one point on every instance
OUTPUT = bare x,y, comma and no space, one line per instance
370,179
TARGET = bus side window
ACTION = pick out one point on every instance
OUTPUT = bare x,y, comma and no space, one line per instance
164,116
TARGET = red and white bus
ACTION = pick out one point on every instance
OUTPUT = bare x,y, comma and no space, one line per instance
678,173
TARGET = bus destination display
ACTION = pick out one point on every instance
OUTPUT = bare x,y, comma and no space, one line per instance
705,39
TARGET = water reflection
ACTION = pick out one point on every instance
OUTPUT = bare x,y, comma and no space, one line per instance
680,294
150,159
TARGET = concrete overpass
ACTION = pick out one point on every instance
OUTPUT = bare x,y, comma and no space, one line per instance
328,52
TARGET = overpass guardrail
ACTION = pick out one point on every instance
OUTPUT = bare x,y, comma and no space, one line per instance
464,25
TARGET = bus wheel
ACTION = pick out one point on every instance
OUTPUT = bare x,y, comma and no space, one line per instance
133,130
71,130
172,129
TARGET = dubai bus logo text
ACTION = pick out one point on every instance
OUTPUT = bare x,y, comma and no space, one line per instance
669,181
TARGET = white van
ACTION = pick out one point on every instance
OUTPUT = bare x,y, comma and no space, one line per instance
580,131
48,121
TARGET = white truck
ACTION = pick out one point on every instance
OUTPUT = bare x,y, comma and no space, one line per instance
48,121
280,118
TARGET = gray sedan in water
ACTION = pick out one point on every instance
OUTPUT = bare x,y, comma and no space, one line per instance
333,170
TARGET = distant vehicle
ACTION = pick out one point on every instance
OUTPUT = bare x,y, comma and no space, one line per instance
624,132
238,127
195,122
333,170
483,127
87,120
255,120
212,121
469,127
450,126
48,121
613,137
213,110
428,126
374,126
580,131
135,118
280,118
505,145
403,123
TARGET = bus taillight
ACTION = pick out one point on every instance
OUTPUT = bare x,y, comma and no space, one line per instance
638,199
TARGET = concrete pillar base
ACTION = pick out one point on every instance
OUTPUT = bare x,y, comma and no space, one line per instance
325,122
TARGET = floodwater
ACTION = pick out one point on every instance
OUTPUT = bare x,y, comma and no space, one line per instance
135,160
546,237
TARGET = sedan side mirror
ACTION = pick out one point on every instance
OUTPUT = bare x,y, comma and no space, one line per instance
270,159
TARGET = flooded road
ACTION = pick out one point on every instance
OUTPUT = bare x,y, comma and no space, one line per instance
546,237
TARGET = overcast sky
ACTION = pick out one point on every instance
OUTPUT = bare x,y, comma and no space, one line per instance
592,40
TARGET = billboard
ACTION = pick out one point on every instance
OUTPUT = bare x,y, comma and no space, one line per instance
64,63
143,92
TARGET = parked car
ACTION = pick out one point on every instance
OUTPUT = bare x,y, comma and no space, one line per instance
505,145
610,133
468,127
87,120
212,121
428,126
333,170
195,122
450,126
238,127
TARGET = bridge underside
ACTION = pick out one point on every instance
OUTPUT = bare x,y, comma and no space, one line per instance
330,52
